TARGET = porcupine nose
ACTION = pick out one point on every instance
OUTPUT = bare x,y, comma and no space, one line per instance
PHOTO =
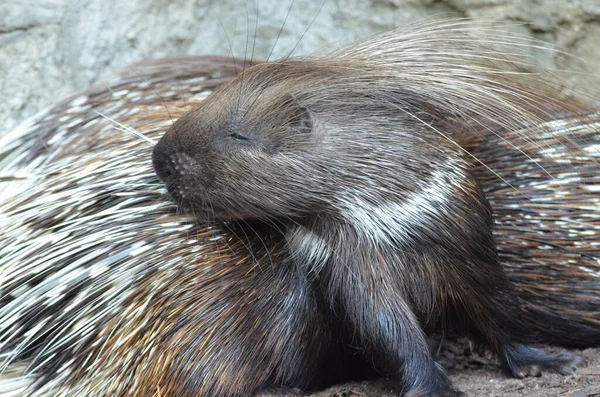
161,160
180,172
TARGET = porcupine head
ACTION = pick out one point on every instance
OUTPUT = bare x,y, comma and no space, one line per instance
359,155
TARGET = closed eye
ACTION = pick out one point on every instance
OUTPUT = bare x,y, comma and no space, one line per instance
239,137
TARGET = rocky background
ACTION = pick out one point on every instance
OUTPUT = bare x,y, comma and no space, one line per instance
49,49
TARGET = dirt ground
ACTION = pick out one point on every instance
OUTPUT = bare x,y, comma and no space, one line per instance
480,376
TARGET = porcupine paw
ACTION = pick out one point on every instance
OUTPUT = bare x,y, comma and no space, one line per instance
521,361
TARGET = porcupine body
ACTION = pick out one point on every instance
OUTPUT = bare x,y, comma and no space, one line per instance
362,157
106,290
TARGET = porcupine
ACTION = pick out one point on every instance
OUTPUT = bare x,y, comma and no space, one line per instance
364,158
131,298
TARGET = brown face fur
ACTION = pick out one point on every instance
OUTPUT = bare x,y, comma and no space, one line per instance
223,157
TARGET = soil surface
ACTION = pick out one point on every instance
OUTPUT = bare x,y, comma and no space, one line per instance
479,375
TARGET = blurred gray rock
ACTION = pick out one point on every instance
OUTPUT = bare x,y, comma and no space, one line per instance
51,48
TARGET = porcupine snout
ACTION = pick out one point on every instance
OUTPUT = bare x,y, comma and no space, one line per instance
178,171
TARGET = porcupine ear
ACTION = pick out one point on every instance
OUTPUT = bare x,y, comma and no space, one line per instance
303,120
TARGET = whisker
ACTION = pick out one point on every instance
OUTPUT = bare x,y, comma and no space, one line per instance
125,128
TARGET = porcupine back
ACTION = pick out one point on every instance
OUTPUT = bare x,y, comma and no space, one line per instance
546,229
72,265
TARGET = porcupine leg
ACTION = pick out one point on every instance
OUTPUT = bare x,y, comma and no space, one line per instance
385,327
393,340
